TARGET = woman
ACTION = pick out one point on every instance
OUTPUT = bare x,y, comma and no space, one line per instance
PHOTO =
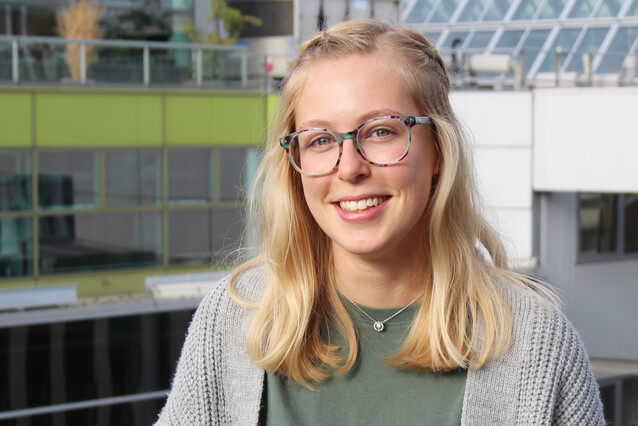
369,302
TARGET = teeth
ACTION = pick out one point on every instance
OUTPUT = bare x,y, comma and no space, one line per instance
361,204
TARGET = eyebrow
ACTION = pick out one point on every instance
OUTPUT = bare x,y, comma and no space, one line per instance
363,118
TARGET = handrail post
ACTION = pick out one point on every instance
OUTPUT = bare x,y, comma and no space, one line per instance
83,62
199,70
146,65
15,61
557,65
244,67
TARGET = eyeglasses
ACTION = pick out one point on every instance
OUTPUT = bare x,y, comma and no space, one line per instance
381,141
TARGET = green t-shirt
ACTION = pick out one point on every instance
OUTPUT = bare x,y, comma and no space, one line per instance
371,393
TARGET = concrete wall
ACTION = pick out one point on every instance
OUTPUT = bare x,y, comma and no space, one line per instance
600,296
585,139
500,125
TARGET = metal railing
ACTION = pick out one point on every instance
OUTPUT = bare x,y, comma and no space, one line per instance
49,60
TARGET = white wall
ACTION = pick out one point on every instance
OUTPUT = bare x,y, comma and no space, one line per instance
500,123
586,139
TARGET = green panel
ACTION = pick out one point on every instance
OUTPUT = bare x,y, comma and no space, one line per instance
187,120
16,120
104,120
223,120
272,104
239,120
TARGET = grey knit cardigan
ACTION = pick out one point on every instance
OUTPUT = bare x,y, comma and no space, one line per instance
545,377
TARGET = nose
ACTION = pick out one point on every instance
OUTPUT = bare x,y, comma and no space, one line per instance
352,167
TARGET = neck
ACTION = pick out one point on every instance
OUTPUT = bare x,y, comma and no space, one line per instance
378,283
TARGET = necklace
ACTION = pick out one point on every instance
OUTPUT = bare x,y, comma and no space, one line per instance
380,325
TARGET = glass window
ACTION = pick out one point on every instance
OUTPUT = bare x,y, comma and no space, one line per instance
526,10
633,10
472,11
445,11
509,40
456,38
497,10
583,8
564,41
100,241
533,45
203,235
589,44
133,177
609,8
15,180
234,176
553,9
631,223
433,36
618,49
480,40
420,11
16,246
598,221
191,176
68,178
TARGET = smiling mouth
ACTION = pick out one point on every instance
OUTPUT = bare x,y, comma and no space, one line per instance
360,205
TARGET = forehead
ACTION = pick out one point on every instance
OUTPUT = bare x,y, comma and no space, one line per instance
350,89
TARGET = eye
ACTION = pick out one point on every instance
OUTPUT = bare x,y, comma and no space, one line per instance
321,140
380,133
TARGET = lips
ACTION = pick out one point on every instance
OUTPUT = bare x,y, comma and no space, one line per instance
362,204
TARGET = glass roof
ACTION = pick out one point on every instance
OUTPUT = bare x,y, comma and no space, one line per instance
533,30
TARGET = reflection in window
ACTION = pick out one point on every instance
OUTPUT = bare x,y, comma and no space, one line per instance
203,235
16,246
433,36
509,40
526,10
553,9
533,45
597,219
631,223
610,8
79,360
68,178
472,11
616,52
455,37
99,241
583,8
237,166
420,11
445,11
15,180
633,10
132,177
191,175
497,10
480,40
564,41
589,44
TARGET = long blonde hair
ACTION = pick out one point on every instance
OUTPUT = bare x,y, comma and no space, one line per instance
461,299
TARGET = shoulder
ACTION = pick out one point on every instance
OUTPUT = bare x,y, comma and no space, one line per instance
220,305
545,373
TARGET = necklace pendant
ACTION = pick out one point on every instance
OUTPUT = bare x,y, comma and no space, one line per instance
378,326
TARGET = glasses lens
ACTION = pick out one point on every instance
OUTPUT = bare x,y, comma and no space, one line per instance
315,151
383,140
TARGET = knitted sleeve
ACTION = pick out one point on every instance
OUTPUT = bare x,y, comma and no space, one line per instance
557,382
194,397
578,395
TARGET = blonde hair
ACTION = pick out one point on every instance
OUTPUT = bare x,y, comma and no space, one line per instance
461,289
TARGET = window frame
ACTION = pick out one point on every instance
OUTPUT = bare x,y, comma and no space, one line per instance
617,254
